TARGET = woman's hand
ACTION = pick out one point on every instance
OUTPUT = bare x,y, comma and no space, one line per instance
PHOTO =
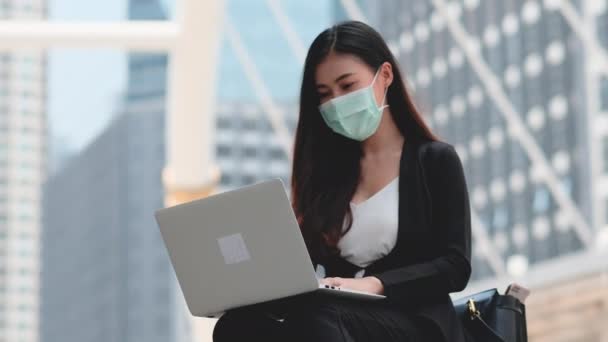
365,284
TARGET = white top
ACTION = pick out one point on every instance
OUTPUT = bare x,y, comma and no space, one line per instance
375,225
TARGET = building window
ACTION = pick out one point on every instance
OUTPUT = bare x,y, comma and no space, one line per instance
227,179
250,152
606,208
22,326
500,218
249,179
604,94
277,153
566,184
541,228
510,25
555,53
531,12
558,107
250,125
223,151
605,154
541,200
224,123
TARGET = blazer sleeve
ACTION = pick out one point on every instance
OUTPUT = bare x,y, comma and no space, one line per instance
451,269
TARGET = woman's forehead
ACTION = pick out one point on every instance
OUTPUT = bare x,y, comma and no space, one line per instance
335,65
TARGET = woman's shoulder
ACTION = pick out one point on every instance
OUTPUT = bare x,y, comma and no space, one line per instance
436,148
439,155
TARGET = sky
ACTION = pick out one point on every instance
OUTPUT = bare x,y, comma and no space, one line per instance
84,85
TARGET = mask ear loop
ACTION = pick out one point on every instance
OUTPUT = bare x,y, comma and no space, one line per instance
383,106
383,99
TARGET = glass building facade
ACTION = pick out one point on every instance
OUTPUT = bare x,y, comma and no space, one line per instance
540,64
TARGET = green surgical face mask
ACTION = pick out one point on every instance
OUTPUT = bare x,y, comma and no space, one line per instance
355,115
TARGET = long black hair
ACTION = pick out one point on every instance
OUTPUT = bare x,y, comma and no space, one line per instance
326,165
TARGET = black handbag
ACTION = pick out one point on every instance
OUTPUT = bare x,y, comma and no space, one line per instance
488,316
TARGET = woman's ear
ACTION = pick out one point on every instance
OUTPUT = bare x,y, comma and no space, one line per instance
387,73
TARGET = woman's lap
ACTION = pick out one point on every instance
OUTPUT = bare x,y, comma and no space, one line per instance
320,319
247,325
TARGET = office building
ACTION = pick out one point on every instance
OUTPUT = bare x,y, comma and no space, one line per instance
23,168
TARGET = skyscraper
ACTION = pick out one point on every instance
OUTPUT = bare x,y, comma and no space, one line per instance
541,66
23,154
105,267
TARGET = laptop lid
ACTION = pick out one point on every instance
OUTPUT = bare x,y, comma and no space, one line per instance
237,248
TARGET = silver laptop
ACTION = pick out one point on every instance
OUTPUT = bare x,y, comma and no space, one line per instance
240,247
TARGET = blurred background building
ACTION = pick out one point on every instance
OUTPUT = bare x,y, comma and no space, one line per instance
517,173
23,160
519,87
99,203
97,207
541,66
248,151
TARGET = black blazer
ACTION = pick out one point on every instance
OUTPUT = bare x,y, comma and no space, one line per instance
433,251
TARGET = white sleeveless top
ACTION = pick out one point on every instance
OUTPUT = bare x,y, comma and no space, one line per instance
375,225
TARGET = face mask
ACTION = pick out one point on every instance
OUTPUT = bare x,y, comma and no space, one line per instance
355,115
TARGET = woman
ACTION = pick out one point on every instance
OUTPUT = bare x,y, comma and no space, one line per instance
382,205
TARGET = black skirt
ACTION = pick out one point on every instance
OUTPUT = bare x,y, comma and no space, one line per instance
323,318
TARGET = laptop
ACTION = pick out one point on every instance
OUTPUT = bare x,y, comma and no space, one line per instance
239,248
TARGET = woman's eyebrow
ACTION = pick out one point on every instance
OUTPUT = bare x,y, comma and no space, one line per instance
338,79
343,76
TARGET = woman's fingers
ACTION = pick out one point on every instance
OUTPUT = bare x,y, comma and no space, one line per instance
332,281
360,284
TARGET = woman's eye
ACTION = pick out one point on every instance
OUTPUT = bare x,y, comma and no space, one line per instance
323,95
347,85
